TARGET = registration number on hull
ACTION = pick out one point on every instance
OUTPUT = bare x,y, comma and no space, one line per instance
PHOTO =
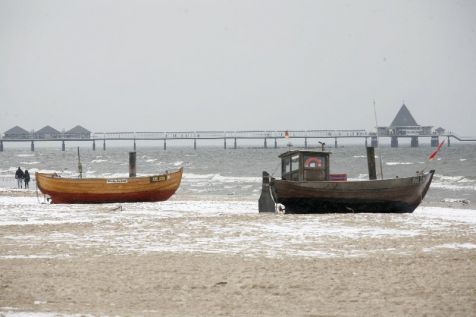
117,181
155,179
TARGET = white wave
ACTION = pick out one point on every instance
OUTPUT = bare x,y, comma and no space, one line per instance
453,186
453,183
178,163
398,163
221,179
361,177
449,178
29,163
456,200
25,155
151,160
98,161
462,159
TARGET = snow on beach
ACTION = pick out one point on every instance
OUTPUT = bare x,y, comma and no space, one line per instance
228,226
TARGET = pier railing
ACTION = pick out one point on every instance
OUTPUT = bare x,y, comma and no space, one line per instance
229,138
251,134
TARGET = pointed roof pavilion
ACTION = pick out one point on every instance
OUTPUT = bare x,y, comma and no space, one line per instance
78,130
403,118
16,130
47,130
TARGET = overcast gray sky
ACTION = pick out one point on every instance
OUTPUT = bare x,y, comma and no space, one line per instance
232,65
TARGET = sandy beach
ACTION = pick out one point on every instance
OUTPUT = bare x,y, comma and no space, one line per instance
209,285
142,261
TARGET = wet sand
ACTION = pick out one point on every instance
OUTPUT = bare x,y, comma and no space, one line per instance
441,284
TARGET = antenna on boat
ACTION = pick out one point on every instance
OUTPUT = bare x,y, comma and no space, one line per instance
322,145
80,167
378,142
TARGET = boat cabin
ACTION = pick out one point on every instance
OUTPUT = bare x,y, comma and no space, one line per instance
305,166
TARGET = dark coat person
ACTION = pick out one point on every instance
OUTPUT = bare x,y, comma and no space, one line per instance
27,179
19,175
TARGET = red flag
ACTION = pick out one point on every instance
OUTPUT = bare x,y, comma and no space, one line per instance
433,154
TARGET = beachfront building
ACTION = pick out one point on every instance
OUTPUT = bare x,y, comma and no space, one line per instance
47,132
17,133
78,132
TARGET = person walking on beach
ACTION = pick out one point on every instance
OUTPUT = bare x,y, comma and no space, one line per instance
19,175
27,179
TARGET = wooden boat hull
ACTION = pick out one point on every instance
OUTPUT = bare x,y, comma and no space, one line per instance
399,195
108,190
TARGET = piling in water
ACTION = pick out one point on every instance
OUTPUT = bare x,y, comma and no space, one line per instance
371,162
132,164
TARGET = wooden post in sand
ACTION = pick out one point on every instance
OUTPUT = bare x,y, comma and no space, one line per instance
371,162
132,164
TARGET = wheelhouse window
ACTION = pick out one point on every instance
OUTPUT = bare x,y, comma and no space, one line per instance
295,163
314,162
286,166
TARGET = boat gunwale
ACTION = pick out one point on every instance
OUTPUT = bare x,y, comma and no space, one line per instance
137,178
380,184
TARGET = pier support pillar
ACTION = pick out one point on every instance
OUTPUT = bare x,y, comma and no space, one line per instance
265,143
224,143
449,144
366,142
305,143
165,144
1,146
234,144
275,143
414,141
32,146
63,146
374,141
94,145
394,141
104,145
135,145
435,140
194,144
335,143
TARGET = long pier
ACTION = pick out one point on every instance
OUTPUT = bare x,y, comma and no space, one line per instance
270,137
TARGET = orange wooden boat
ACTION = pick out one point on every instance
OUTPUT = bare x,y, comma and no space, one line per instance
108,190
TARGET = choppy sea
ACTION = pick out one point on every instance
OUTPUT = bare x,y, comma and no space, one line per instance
217,172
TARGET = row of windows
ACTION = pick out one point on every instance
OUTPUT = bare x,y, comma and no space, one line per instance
291,164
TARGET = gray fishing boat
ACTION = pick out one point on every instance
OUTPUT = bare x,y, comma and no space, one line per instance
306,186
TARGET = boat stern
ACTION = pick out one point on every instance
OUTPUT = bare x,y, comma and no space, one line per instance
266,202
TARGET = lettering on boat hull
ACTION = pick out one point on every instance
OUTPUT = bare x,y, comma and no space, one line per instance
160,178
117,181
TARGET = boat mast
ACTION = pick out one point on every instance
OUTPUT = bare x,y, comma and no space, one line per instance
378,143
80,167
